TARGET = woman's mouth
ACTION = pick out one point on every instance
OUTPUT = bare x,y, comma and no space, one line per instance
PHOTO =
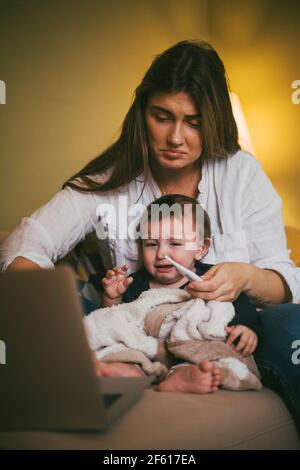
173,153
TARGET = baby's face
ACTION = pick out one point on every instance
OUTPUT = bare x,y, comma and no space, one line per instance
166,237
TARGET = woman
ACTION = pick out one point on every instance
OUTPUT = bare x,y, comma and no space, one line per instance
180,136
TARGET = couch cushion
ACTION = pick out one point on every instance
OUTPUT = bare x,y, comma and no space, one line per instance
224,420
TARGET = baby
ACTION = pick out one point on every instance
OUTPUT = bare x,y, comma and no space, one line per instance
186,239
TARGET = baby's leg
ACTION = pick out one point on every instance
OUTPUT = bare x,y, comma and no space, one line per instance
117,369
200,378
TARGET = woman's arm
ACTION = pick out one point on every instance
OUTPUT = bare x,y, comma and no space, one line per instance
266,287
270,277
50,232
21,263
226,281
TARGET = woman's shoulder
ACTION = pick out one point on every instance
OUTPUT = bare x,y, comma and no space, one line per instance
242,165
244,159
240,159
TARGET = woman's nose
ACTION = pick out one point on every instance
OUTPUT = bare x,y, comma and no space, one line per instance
176,136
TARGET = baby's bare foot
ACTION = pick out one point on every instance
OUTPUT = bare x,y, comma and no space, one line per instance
200,378
117,369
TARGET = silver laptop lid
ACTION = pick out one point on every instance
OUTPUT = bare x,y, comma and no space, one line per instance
48,381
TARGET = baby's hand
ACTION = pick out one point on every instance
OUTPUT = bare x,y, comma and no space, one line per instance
248,339
115,282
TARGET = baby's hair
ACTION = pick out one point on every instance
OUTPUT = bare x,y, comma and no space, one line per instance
180,202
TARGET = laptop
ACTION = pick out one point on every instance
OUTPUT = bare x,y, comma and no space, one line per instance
47,378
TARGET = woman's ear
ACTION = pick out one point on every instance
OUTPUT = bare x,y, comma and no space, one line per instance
203,248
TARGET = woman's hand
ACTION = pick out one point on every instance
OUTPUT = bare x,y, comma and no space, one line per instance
223,282
115,283
248,339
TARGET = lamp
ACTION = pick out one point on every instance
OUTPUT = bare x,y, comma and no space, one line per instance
245,140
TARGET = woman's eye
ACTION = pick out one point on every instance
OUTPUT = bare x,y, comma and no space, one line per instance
150,244
195,125
176,244
162,118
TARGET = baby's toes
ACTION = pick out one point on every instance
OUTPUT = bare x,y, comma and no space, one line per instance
216,383
216,373
216,380
205,367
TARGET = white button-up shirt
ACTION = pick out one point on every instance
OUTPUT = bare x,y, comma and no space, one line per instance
243,206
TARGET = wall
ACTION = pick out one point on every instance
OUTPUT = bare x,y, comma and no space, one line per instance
70,69
259,41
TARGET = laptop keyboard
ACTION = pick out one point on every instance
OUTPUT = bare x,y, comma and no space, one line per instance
110,398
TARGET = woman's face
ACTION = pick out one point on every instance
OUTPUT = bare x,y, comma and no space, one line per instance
173,129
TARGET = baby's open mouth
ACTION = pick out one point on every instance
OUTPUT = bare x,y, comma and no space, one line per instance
164,266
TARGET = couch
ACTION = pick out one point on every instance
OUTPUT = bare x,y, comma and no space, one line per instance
224,420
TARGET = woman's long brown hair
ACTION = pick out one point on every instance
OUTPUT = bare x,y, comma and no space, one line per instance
192,67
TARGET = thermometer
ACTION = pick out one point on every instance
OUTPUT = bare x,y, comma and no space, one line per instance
186,272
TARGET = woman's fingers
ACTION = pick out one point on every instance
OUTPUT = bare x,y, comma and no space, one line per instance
212,288
214,294
207,276
223,282
207,285
222,294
